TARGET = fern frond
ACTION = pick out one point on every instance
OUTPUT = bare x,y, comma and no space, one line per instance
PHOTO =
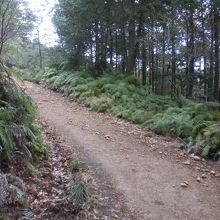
6,142
80,192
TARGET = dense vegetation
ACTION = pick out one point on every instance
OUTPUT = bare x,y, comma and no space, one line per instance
18,131
172,46
197,123
155,63
20,138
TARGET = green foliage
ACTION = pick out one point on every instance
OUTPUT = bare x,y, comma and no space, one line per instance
18,132
79,193
101,104
109,93
193,122
120,95
30,75
6,142
75,166
212,134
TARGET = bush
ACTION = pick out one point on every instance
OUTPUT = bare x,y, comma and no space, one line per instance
75,166
79,193
101,104
18,132
193,122
30,75
120,95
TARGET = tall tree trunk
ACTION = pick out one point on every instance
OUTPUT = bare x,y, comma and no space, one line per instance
1,47
191,53
116,50
152,57
216,39
91,48
204,53
187,60
157,69
97,49
39,48
173,59
111,47
91,53
124,59
131,46
144,71
138,39
163,62
211,70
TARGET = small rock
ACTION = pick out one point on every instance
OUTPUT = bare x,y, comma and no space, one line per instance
161,152
205,170
107,137
149,134
187,162
96,211
186,182
183,185
194,157
204,176
212,172
198,179
115,216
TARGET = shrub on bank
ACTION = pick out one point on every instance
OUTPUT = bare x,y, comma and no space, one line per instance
120,95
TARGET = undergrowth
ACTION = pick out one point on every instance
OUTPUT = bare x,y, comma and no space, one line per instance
75,166
19,134
30,75
79,193
20,143
119,94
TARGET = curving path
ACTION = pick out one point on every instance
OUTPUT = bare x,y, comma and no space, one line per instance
147,169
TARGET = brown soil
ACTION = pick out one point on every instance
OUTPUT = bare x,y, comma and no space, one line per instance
50,187
146,169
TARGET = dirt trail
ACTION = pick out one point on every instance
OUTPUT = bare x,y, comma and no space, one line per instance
147,169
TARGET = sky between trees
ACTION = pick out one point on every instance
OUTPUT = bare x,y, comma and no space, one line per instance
44,9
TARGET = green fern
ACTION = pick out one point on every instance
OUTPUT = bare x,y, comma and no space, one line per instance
206,151
75,166
8,114
6,143
17,114
120,95
101,104
80,192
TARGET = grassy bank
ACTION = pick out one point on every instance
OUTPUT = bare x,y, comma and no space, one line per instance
197,123
19,134
20,146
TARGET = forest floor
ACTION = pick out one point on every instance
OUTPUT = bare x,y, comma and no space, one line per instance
139,174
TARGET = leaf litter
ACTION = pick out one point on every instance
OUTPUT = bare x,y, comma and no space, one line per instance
50,189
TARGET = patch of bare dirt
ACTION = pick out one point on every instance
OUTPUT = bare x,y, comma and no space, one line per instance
157,179
50,189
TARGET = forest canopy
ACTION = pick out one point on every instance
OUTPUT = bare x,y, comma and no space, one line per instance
172,46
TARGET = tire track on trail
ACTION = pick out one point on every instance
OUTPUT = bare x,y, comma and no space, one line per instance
147,169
